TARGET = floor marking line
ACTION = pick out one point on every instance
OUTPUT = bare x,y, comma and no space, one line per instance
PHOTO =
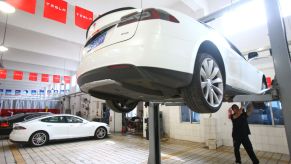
16,154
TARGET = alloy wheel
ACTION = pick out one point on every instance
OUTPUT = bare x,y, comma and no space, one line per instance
211,82
39,139
100,133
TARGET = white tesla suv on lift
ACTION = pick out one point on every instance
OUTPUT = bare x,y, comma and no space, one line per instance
134,55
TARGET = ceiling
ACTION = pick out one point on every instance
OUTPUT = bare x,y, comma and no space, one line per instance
45,46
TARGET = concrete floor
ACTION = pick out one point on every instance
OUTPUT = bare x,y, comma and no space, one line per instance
124,149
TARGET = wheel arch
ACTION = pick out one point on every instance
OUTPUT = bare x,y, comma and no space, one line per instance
40,131
101,126
210,48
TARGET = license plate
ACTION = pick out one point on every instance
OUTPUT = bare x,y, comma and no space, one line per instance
96,42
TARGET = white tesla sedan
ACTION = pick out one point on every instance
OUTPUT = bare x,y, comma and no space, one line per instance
134,55
39,131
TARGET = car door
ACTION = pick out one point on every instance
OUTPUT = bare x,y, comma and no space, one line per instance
56,126
78,127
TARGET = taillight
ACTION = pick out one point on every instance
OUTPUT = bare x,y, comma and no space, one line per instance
152,13
130,18
147,14
4,124
19,128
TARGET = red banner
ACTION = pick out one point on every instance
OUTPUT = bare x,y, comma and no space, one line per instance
3,73
56,10
44,77
269,81
83,17
18,75
67,79
56,78
32,76
25,5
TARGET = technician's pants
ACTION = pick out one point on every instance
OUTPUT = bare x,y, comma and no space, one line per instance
245,141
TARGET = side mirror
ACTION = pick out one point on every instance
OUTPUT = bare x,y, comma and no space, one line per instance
252,55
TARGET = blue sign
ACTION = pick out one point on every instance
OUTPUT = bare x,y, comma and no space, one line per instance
17,92
49,92
33,92
41,92
8,92
25,92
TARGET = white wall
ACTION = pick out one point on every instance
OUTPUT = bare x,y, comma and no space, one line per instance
115,121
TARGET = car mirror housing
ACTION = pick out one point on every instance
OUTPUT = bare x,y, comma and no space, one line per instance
252,55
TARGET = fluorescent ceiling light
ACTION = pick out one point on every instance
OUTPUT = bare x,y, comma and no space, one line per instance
6,7
3,48
250,15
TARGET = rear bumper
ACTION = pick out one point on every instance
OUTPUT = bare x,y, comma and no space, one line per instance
18,136
133,82
20,142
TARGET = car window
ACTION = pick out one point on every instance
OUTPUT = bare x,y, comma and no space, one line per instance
71,119
55,119
29,118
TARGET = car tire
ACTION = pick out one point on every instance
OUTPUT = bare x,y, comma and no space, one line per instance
38,138
100,133
121,106
205,92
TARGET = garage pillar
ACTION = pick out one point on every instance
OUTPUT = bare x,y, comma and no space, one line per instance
281,57
154,134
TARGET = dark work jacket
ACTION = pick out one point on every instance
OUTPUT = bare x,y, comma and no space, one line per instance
240,126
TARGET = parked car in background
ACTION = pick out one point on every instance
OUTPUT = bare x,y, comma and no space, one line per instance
39,131
6,123
134,55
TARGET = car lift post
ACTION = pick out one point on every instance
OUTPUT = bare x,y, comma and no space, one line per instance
154,134
281,58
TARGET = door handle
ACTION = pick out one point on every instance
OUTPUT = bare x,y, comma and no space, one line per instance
49,125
